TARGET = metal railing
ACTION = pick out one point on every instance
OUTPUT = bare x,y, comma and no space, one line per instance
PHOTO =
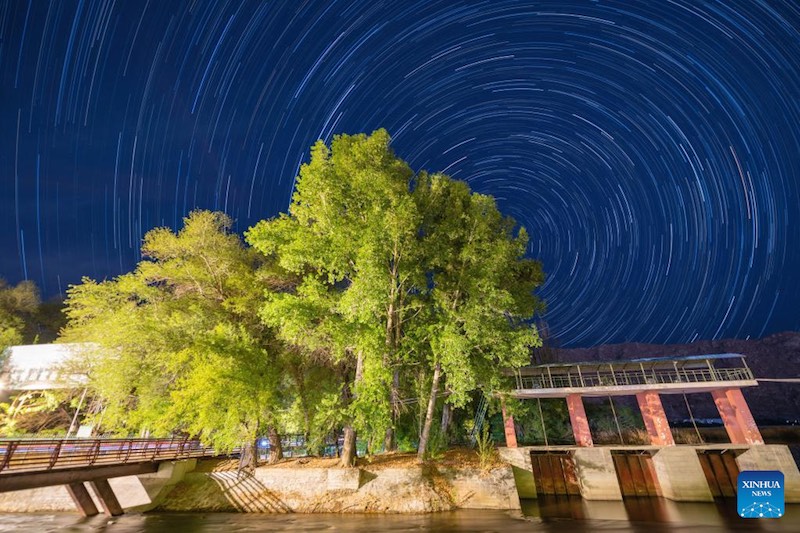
32,455
633,377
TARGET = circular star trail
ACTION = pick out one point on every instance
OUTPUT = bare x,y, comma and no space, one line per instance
650,148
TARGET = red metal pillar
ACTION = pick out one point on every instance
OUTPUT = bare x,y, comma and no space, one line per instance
83,501
580,424
508,427
107,497
655,420
728,415
744,417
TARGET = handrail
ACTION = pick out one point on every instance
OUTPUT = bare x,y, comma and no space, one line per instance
25,455
633,377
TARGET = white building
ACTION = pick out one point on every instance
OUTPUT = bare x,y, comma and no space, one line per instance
38,367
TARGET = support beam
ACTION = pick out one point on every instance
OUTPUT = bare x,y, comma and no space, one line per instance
508,427
728,415
655,420
107,497
65,476
747,425
82,498
580,424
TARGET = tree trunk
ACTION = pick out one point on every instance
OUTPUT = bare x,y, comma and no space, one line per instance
426,429
275,448
349,447
247,460
389,441
447,415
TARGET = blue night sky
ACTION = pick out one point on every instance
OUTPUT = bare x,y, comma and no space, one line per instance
652,149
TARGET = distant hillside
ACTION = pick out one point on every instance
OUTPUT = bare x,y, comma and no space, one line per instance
776,356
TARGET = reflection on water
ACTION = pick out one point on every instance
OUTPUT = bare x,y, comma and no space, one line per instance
552,514
649,511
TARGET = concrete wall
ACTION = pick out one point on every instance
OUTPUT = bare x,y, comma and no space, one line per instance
680,475
774,457
335,490
178,487
520,461
596,474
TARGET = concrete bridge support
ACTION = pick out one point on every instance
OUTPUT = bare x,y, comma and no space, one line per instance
580,424
655,420
508,428
736,417
107,497
680,475
82,498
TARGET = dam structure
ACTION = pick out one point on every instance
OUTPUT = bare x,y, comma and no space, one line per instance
661,467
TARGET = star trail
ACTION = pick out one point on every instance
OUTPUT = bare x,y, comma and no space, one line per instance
651,149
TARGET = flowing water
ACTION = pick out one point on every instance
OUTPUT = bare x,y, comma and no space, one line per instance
645,515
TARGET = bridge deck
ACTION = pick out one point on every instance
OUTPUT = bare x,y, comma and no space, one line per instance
45,455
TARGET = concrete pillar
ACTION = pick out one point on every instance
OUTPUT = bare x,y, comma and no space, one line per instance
107,497
82,498
774,457
597,476
736,416
747,425
728,415
520,461
580,424
680,475
508,427
655,420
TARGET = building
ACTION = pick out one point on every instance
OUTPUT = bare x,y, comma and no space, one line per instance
39,367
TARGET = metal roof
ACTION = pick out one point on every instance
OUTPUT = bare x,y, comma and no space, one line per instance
650,362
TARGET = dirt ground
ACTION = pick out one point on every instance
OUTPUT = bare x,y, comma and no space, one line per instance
456,457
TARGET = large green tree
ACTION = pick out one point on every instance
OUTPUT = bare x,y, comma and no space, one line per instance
177,343
398,271
350,237
479,293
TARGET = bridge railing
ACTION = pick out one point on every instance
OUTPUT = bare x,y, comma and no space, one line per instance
633,377
18,455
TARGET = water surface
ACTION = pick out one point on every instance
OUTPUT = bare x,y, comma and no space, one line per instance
641,515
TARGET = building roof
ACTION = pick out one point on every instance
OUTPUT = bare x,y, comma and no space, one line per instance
38,367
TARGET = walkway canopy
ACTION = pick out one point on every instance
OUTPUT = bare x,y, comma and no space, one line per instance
666,375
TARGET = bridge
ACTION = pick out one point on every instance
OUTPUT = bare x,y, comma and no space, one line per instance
34,463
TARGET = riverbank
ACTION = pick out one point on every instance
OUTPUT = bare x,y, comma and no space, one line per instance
390,483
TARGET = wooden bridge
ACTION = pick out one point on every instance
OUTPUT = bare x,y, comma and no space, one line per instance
34,463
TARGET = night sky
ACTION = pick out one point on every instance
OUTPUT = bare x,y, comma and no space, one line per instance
651,149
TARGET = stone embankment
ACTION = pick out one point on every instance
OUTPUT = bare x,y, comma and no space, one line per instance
407,488
388,485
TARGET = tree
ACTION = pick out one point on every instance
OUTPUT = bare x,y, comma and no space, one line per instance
18,304
398,271
179,344
349,235
480,291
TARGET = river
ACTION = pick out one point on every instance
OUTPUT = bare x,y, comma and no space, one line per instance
641,515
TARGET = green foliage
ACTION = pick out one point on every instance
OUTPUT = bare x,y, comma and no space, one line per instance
378,284
35,412
18,304
402,271
555,415
487,454
437,445
178,343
